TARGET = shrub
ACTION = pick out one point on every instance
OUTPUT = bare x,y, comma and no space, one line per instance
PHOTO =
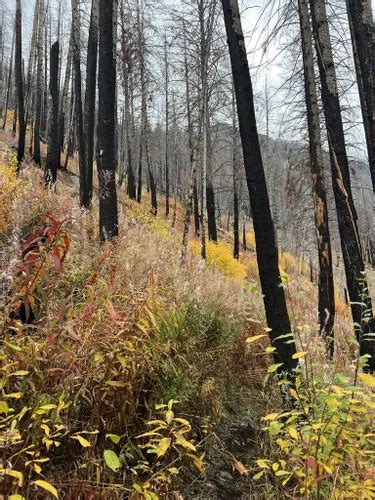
220,255
322,447
10,188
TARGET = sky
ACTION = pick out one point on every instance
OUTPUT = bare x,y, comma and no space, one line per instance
266,66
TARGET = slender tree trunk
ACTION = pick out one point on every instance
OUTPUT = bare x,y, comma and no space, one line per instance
43,126
83,188
141,145
154,201
1,64
361,24
19,85
108,220
53,152
267,256
210,192
64,101
236,231
192,198
126,64
39,86
326,285
141,54
32,62
244,243
166,128
14,125
92,57
11,62
361,305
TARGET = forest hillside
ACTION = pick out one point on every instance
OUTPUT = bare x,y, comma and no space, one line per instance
187,249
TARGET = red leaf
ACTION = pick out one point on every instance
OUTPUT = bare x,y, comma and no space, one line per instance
111,310
55,254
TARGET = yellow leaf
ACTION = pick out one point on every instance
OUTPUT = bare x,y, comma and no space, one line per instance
163,446
249,340
328,469
184,442
15,395
47,486
169,416
116,383
16,497
293,393
270,416
300,354
367,379
13,473
82,441
273,368
263,464
293,432
48,407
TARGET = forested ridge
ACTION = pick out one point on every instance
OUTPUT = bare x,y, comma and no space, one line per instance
187,249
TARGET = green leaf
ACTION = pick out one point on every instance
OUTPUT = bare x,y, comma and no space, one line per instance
114,438
4,408
16,496
47,486
111,459
259,475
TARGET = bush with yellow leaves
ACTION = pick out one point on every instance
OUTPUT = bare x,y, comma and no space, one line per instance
220,255
322,446
10,189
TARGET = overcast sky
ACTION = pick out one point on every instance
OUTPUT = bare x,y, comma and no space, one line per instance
270,66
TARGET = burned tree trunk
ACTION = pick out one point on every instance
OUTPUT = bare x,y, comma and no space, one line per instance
236,230
39,86
83,190
108,220
361,305
19,85
127,65
326,286
53,152
11,62
267,256
92,57
361,24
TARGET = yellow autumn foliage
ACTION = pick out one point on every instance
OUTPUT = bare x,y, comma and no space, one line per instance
10,189
220,255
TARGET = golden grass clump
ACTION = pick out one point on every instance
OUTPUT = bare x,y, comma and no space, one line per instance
250,241
10,189
220,255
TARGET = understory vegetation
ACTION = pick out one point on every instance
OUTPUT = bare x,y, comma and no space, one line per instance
126,364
